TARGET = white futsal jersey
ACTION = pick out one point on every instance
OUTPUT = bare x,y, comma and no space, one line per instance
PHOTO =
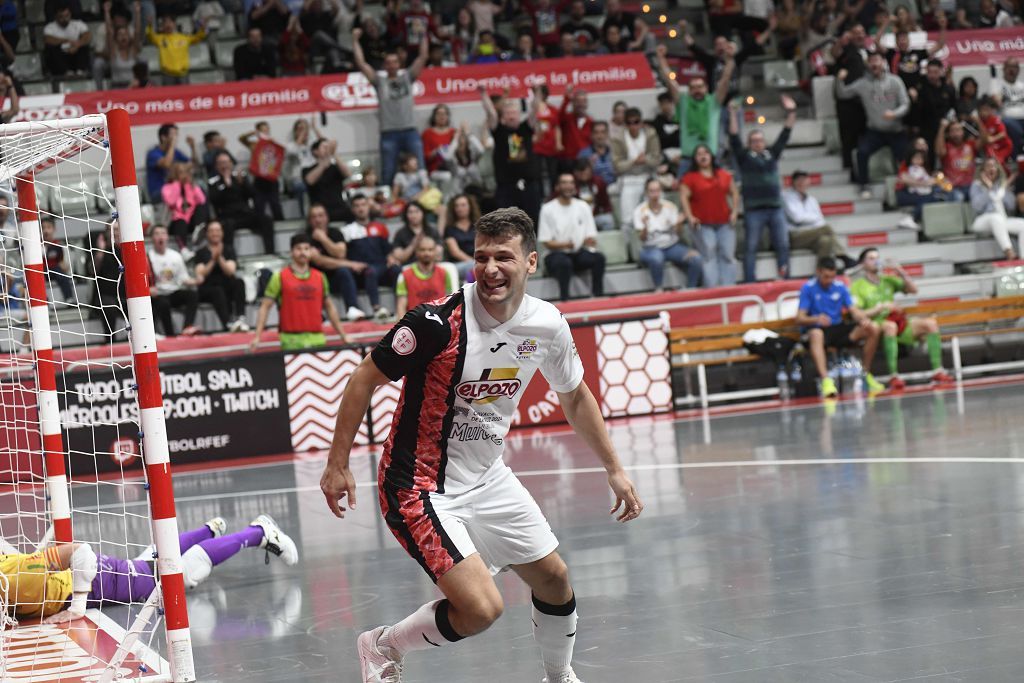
465,374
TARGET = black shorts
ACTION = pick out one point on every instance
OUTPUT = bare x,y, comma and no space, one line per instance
838,336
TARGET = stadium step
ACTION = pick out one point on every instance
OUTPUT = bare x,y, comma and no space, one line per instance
810,164
866,222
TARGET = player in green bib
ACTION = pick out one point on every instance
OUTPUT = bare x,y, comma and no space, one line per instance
875,293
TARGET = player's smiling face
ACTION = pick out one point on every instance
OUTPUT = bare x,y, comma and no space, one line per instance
502,268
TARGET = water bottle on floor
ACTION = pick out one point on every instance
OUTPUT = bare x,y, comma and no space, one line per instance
858,375
782,379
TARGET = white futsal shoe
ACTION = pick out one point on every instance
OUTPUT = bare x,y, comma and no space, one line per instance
276,541
565,677
217,526
380,664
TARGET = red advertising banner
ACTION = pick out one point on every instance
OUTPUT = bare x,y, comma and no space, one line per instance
342,92
982,46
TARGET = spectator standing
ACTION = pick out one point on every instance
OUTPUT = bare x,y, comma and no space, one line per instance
885,103
460,235
172,286
967,99
992,201
594,192
217,277
424,280
634,30
120,50
269,16
584,35
9,23
516,169
705,193
994,16
301,293
66,44
659,227
414,228
213,144
462,159
395,104
293,50
994,136
850,55
568,232
325,180
599,153
1008,93
185,202
698,113
438,136
808,228
823,303
412,28
874,294
575,121
758,166
547,141
934,99
957,156
231,196
55,259
667,126
298,154
254,58
636,155
104,266
484,12
546,33
265,165
172,46
368,254
916,187
373,41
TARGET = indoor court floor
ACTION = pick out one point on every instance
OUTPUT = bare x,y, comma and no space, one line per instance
855,541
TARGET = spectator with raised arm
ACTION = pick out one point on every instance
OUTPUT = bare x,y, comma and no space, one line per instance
659,226
186,204
394,88
636,155
254,58
711,205
933,98
172,287
438,135
575,122
547,143
160,158
758,166
824,303
994,136
567,231
120,51
546,32
269,16
66,44
413,27
698,112
992,200
808,227
217,276
957,156
232,197
325,180
173,48
1008,92
885,102
516,169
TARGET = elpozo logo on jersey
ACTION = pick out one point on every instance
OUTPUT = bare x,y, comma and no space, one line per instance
526,348
492,385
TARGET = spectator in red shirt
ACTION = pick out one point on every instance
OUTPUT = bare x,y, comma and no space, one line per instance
546,32
575,122
547,136
957,156
408,28
994,138
293,48
437,137
710,202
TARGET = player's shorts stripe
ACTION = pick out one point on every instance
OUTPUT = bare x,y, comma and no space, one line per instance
446,541
459,332
392,508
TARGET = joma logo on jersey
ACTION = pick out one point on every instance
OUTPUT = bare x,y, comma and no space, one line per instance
492,385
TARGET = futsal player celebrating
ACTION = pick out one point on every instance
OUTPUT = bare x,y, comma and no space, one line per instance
445,491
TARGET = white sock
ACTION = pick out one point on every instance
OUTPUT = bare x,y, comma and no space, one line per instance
425,628
554,629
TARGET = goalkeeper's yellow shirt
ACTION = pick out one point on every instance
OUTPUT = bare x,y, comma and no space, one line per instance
36,586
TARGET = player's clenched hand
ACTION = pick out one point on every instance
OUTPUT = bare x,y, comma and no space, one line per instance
625,497
336,483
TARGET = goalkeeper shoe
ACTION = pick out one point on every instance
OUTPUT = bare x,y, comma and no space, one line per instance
564,677
217,526
276,541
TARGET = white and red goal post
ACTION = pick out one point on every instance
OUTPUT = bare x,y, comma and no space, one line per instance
57,354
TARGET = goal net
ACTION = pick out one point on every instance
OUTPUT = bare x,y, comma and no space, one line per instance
83,445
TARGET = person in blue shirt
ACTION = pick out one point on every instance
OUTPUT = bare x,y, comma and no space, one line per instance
823,303
160,158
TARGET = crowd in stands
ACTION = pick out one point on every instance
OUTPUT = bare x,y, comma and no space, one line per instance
677,174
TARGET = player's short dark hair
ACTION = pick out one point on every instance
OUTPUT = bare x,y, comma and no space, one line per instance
299,238
827,263
864,254
507,223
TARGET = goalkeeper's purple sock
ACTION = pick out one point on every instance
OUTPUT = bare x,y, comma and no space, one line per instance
187,539
223,548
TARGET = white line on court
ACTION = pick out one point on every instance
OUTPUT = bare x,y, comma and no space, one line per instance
633,468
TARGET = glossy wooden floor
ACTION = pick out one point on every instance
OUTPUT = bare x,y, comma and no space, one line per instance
769,551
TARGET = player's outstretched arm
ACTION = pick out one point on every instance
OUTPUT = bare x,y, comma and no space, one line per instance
584,416
337,480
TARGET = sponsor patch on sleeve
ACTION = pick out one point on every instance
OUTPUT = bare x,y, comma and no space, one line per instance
404,341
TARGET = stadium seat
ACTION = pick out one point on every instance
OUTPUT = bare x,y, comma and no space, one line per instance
210,76
781,74
151,56
612,243
224,53
228,27
199,57
39,88
943,220
35,13
28,67
65,85
185,24
90,7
